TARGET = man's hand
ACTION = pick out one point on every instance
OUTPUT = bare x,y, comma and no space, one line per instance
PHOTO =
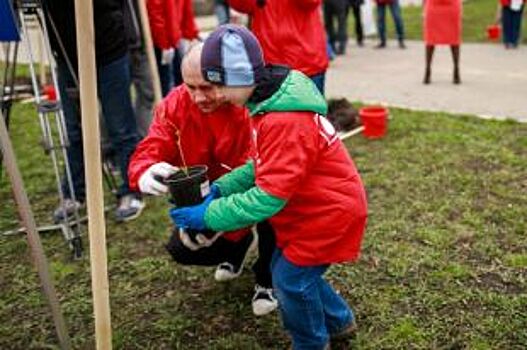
195,241
191,217
167,56
150,182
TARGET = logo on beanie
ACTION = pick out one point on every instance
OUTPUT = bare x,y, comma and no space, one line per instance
213,76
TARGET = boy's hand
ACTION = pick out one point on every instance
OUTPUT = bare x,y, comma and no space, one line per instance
191,217
150,182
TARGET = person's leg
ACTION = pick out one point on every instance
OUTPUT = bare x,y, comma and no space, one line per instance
266,247
217,253
381,24
358,24
337,314
264,301
74,151
506,25
165,72
342,22
176,68
516,21
395,10
301,306
144,91
222,13
455,58
429,56
320,81
114,93
328,23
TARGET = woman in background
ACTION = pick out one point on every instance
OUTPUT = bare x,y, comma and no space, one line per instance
442,26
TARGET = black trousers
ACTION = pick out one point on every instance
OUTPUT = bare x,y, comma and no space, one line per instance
223,250
359,33
336,9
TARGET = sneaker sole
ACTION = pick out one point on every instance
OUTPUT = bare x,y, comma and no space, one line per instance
251,248
132,217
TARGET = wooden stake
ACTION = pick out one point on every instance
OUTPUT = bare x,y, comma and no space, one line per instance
149,47
37,252
93,171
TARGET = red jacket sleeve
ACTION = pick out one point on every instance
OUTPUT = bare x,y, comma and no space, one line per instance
189,29
157,146
286,150
243,6
158,24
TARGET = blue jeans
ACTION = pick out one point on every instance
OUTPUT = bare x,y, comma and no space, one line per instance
395,9
311,310
113,85
511,23
320,81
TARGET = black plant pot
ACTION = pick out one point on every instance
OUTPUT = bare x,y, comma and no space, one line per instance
188,188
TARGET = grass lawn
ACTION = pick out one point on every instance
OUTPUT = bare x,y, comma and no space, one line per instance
444,263
477,15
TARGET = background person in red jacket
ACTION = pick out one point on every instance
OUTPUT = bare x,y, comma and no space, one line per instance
290,33
301,178
170,21
213,132
442,26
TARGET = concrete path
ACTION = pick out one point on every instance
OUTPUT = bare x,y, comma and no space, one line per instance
494,79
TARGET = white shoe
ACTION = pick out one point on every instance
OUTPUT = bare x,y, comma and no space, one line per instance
264,301
227,271
130,207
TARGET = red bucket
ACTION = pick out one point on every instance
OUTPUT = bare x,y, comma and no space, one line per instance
49,91
493,32
374,119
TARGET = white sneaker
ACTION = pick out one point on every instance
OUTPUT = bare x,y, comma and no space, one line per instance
130,207
66,210
264,301
227,271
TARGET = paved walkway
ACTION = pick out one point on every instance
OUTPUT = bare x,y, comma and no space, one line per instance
494,79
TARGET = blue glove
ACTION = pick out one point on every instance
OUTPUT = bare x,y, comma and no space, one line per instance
191,217
215,192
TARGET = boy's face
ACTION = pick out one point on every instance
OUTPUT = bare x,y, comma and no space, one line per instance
237,95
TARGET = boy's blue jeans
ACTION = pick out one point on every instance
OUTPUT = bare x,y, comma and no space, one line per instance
311,310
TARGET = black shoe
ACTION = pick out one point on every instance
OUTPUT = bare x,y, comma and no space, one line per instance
229,270
380,45
401,44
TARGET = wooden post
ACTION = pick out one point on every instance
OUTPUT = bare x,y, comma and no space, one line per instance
37,252
149,47
93,171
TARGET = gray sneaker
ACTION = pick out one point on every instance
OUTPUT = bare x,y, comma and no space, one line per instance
129,208
66,210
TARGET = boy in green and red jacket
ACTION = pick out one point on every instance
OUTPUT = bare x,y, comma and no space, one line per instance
301,179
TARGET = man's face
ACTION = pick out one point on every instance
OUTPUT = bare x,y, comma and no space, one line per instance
208,97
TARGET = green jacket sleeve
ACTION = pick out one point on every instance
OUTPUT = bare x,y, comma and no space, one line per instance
239,180
242,209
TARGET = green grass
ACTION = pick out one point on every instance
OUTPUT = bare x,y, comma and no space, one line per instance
444,262
477,15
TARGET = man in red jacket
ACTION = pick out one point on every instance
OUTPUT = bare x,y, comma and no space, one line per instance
195,125
170,21
290,33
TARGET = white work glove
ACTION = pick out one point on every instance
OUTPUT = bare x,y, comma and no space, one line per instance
167,55
199,241
150,182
